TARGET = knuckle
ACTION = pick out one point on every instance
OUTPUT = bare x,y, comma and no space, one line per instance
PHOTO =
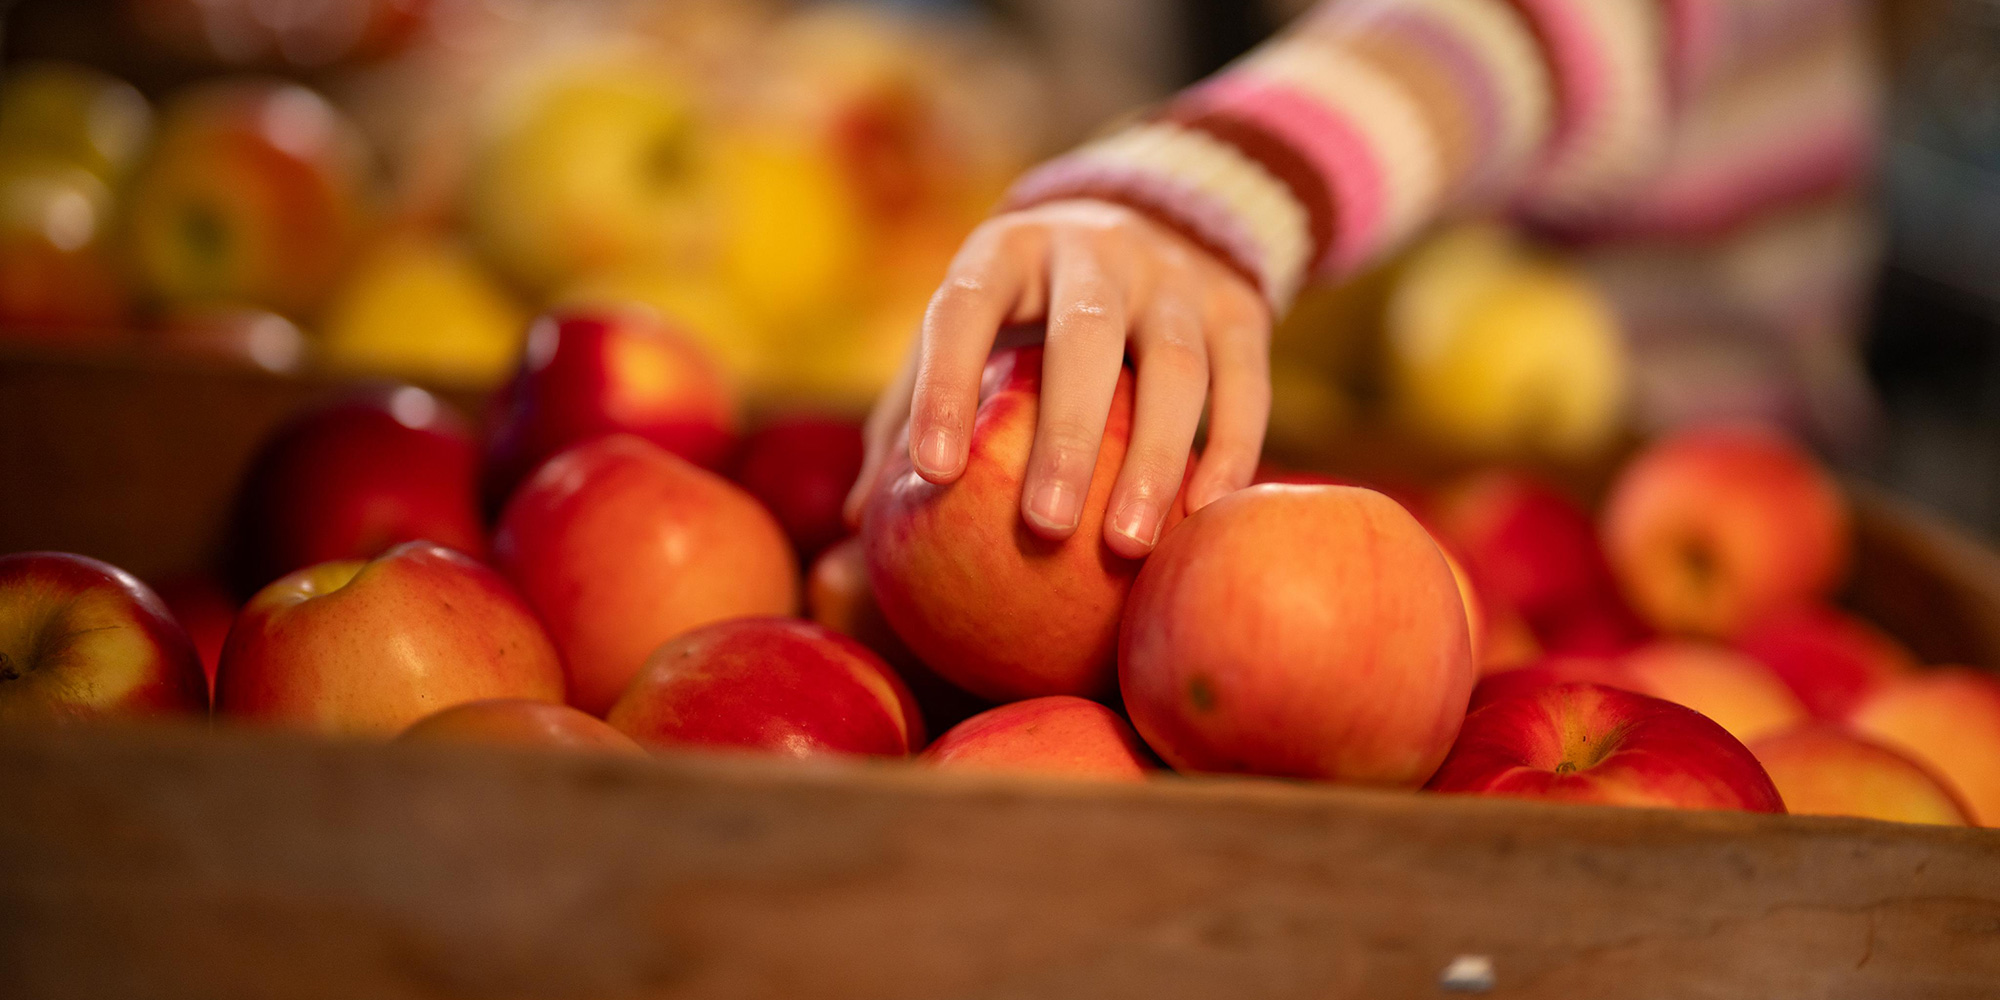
1083,312
1177,357
1066,440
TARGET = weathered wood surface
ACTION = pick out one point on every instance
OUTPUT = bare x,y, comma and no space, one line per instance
175,864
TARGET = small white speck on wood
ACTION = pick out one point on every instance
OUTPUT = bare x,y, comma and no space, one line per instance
1467,974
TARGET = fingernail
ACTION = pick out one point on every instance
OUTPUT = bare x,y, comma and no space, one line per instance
1138,522
1055,506
935,455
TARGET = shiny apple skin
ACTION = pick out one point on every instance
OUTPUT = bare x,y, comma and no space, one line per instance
1059,735
367,648
621,546
82,639
774,685
1583,742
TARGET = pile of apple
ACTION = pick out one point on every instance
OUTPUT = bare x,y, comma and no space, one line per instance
584,573
787,185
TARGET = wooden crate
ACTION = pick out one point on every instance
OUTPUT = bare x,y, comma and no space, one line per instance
171,862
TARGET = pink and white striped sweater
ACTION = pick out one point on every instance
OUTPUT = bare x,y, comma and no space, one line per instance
1369,119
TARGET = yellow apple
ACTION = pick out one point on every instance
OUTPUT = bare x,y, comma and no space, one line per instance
74,114
422,306
592,163
1493,350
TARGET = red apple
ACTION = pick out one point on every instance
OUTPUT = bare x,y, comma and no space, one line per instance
1824,770
367,648
522,722
1739,693
254,193
350,479
1583,742
778,685
82,639
838,597
620,546
1948,720
1058,735
1829,658
802,467
589,372
1307,631
1527,544
988,604
1714,528
205,610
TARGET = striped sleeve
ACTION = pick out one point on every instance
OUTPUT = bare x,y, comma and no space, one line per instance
1332,144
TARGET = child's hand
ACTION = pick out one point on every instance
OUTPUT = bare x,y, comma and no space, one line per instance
1109,281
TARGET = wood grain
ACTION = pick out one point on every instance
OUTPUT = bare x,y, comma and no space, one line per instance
152,863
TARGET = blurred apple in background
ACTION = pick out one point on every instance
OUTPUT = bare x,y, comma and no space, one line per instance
254,193
1829,658
422,306
1297,631
369,647
593,160
522,722
1714,528
776,685
1582,742
1495,350
1947,719
306,34
990,606
1739,693
1059,735
1823,770
1531,548
801,467
59,277
81,639
353,477
73,114
205,610
838,596
620,546
586,373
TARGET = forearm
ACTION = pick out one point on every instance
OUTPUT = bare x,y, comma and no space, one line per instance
1331,144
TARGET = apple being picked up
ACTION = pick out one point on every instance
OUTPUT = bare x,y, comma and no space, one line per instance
1299,631
621,546
1058,735
367,648
802,467
349,479
776,685
522,722
992,607
1713,528
1582,742
81,639
588,372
